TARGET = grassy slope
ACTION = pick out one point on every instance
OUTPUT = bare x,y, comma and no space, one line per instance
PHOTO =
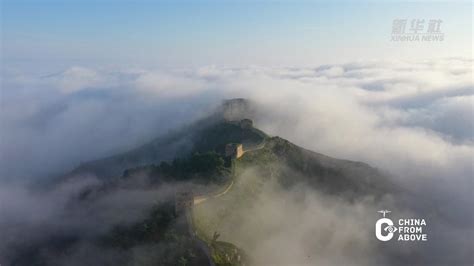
288,165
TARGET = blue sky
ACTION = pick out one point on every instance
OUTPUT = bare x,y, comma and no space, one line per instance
229,33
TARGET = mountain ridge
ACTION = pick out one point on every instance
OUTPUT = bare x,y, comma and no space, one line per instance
195,157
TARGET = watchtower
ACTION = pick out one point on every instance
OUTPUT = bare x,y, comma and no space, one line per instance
246,123
234,150
183,200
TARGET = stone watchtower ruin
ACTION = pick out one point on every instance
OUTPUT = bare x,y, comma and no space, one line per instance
183,200
246,123
234,150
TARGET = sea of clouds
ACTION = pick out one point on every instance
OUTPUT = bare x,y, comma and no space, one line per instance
412,120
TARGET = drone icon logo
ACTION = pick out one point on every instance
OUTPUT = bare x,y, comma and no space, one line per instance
388,228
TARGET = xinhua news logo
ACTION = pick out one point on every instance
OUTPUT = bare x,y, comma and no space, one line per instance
409,229
417,30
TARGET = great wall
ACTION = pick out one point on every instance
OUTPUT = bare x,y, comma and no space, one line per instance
185,200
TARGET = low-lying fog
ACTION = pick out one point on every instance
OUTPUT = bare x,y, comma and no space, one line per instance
410,119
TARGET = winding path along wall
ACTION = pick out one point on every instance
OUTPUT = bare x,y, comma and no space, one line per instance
199,199
202,198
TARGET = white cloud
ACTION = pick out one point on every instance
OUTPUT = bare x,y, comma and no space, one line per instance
77,78
169,85
413,119
343,110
